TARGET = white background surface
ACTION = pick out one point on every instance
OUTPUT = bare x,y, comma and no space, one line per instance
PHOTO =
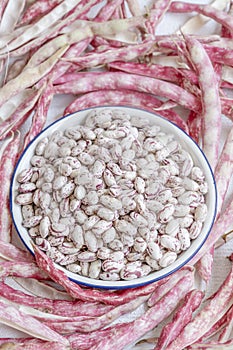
221,264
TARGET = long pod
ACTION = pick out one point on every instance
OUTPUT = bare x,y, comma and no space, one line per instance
9,251
61,67
206,10
225,334
211,104
123,53
7,164
37,9
125,97
118,80
194,23
205,265
91,324
65,308
2,7
41,289
49,48
194,122
212,345
40,116
21,269
128,333
220,226
20,114
42,24
107,10
16,68
158,71
209,314
14,317
107,29
29,77
163,289
157,12
224,166
31,343
106,13
11,15
52,32
181,317
134,7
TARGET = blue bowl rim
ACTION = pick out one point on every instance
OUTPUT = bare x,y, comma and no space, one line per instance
139,284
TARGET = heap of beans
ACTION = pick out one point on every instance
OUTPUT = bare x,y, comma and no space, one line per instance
115,198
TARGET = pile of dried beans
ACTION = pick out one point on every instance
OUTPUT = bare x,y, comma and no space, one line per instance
110,53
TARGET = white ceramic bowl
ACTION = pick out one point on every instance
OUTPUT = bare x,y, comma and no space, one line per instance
186,142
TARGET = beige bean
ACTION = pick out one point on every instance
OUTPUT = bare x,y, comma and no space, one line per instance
95,269
200,212
24,198
167,259
44,226
171,243
32,221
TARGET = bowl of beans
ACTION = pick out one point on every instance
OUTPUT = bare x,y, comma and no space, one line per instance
117,197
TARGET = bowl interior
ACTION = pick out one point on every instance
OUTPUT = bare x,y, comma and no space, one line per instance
186,142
